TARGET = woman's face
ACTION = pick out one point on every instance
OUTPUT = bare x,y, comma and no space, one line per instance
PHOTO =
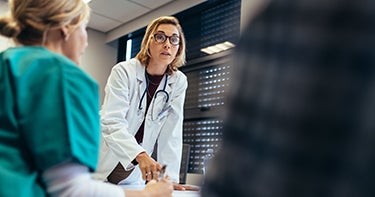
163,53
76,44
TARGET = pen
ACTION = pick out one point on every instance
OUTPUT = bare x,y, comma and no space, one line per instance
162,174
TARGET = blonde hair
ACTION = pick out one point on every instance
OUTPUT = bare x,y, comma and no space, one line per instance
28,20
144,54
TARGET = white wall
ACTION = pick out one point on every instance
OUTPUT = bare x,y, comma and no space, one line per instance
5,43
249,9
99,58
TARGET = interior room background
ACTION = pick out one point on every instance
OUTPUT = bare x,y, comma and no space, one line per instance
206,24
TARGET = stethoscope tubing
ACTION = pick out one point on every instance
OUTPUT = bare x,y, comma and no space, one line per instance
156,93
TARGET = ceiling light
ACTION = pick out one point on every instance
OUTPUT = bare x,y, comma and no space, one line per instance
208,51
214,49
218,47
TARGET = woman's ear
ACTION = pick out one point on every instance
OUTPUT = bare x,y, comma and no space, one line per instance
65,33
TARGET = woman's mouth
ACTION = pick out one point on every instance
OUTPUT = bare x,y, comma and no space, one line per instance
166,53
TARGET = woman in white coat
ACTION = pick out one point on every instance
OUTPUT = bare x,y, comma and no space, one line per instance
143,105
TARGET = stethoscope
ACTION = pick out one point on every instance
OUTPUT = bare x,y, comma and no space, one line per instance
156,93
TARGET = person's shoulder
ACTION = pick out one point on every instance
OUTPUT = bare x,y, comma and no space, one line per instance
180,79
32,54
35,58
39,62
26,53
128,64
63,63
129,67
179,75
58,63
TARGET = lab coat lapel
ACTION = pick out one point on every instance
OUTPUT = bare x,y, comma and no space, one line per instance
171,80
142,85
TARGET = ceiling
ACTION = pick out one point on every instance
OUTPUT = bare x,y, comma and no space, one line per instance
120,17
107,16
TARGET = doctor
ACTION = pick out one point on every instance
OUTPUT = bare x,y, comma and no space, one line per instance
143,105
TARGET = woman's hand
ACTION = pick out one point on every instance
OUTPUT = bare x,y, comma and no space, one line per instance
162,187
153,188
180,187
149,167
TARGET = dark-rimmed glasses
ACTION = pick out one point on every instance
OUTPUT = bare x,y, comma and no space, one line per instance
161,38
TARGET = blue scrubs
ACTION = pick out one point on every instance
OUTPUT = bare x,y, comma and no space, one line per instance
48,114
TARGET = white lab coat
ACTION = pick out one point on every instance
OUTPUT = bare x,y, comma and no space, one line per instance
121,118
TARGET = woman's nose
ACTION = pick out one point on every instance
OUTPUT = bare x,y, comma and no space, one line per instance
167,44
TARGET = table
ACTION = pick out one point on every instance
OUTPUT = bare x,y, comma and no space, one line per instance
175,193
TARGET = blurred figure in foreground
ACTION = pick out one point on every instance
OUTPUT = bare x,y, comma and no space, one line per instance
49,107
301,118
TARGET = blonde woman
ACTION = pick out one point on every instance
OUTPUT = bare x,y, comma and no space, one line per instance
49,132
143,106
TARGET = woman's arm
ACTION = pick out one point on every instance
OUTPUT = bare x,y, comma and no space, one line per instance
73,179
115,126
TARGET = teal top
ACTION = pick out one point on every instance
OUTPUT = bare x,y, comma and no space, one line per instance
49,113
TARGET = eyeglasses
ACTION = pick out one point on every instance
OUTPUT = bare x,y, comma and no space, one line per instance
161,38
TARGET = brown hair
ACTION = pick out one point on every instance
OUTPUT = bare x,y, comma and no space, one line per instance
144,54
29,20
